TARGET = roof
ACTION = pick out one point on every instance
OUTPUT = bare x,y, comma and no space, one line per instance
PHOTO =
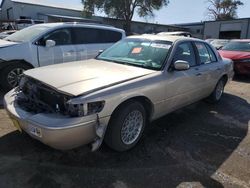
81,24
174,33
50,3
164,38
241,40
71,17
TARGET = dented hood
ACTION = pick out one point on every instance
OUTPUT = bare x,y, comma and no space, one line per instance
79,77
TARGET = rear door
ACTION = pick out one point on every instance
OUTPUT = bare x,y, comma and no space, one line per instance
209,67
63,51
89,41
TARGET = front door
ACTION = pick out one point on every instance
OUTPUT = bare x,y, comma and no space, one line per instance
183,87
63,51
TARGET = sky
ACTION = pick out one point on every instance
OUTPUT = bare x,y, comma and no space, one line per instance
178,11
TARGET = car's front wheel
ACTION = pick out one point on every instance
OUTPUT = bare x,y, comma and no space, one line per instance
126,126
10,75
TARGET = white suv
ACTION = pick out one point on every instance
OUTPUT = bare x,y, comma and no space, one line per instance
53,43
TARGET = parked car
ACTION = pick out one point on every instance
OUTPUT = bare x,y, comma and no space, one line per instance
5,34
176,33
239,52
114,96
219,43
209,40
23,23
53,43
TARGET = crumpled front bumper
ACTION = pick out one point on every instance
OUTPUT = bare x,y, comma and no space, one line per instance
58,131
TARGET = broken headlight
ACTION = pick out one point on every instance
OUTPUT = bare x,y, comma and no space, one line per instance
79,110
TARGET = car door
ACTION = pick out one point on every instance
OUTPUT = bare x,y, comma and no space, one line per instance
89,41
62,51
209,67
182,87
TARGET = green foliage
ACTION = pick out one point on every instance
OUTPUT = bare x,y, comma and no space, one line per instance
223,9
124,9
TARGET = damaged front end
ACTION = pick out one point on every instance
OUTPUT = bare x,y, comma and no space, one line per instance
35,97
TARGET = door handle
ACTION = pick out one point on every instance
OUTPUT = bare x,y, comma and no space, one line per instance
218,69
198,74
71,51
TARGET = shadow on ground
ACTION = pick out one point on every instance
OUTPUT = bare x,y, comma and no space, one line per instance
188,145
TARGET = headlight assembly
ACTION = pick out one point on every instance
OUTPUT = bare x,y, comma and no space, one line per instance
80,110
95,107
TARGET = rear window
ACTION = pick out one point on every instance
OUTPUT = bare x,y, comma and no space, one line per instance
92,36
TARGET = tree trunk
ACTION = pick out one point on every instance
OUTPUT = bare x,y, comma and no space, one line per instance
127,27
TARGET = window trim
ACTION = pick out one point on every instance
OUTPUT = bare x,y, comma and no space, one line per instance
198,54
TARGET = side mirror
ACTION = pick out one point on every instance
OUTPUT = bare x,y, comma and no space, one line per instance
181,65
50,43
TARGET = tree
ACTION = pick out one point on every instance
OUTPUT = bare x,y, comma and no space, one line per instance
124,9
223,9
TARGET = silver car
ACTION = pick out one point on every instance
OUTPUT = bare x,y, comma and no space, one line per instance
114,96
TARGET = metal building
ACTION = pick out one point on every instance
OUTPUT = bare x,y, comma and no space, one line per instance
231,29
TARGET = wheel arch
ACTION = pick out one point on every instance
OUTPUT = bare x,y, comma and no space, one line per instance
145,101
8,63
224,78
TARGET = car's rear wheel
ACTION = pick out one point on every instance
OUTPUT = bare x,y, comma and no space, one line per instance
126,126
10,75
218,91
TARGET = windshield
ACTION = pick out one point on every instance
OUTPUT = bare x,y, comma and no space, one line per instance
237,46
138,52
27,34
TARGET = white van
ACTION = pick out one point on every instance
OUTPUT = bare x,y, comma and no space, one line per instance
52,43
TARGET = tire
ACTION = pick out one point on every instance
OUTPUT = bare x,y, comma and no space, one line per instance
10,75
117,136
217,92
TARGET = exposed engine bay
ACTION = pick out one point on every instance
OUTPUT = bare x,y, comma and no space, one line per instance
34,96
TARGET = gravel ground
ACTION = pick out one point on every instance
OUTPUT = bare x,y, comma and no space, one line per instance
202,145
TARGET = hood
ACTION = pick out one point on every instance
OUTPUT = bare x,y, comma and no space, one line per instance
79,77
234,55
5,43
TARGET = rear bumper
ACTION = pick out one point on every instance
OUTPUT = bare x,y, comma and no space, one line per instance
242,68
54,130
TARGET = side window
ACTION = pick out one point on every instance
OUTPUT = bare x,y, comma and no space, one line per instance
203,53
92,36
110,36
185,52
86,35
211,54
60,36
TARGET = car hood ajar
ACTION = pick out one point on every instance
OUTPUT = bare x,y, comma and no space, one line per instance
81,77
234,55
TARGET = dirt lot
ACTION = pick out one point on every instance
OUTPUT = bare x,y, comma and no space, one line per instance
199,146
